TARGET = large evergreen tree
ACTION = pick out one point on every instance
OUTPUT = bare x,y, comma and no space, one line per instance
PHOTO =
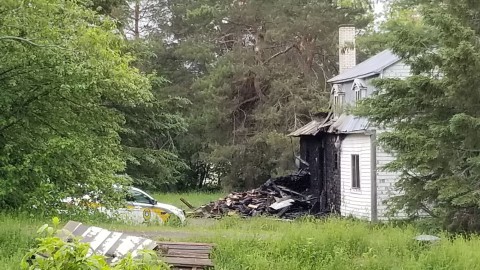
263,68
433,115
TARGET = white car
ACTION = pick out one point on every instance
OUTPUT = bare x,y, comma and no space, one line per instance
139,208
143,208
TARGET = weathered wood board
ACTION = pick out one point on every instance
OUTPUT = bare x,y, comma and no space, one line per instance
116,245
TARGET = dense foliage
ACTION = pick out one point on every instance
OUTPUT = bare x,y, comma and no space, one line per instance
262,68
241,73
62,73
433,115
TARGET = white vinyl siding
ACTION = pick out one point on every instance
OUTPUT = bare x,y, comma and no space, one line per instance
355,201
385,182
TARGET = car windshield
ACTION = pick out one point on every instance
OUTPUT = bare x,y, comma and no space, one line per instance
138,197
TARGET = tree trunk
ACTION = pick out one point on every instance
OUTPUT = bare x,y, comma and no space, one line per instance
136,15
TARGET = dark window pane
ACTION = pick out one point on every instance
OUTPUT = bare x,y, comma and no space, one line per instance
355,171
135,196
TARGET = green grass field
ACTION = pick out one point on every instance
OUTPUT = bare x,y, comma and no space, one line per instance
265,243
195,198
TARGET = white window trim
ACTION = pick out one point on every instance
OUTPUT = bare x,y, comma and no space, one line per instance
338,99
360,89
355,172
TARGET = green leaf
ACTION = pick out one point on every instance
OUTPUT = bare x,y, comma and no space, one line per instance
42,229
55,221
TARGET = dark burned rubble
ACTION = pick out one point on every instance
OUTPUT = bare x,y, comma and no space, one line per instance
284,197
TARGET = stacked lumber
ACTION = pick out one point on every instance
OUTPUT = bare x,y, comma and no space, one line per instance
183,255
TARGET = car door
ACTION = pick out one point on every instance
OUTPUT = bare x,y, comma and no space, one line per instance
143,208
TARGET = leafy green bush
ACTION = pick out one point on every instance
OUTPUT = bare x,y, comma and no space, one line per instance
54,253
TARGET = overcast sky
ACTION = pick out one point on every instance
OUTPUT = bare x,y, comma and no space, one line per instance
379,9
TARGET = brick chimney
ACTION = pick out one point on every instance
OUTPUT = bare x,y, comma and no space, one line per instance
346,49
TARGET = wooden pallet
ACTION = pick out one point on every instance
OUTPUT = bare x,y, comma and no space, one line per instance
184,255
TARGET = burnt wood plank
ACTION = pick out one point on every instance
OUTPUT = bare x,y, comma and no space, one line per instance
185,247
188,255
203,251
185,243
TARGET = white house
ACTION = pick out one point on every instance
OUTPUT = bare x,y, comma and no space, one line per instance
360,180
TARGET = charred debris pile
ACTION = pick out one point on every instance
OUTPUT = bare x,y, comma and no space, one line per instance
285,197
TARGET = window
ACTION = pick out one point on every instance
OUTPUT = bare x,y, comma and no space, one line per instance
338,99
358,94
137,197
355,171
360,89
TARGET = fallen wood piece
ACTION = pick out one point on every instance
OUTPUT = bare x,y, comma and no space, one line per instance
187,247
282,199
282,204
187,204
285,189
166,243
188,255
189,251
188,262
253,206
283,211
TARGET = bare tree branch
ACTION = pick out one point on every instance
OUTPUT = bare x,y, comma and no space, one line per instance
279,53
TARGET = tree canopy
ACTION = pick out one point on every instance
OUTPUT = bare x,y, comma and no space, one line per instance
63,72
263,67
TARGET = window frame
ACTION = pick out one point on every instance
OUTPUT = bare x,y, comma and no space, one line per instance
338,99
360,90
336,160
358,94
135,194
355,171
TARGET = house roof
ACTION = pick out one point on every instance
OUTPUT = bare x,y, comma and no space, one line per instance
313,127
349,124
370,67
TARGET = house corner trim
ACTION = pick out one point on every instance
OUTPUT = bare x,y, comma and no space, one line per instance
373,167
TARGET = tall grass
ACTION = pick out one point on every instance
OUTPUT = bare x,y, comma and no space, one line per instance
17,235
265,243
195,198
334,244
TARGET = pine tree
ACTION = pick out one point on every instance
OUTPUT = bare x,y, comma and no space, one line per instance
433,115
265,75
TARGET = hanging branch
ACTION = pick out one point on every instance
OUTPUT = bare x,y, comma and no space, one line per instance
28,41
279,53
19,39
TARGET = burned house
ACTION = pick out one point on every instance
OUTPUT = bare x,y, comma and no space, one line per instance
318,153
341,149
